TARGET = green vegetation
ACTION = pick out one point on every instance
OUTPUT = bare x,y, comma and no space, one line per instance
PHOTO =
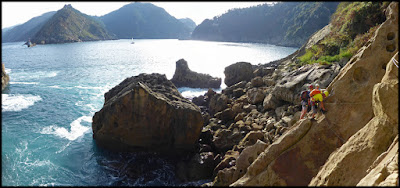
26,30
353,24
285,23
144,20
70,25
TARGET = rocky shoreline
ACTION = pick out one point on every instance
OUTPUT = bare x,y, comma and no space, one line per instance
250,133
5,78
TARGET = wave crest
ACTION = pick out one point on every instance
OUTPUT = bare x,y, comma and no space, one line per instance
77,129
18,102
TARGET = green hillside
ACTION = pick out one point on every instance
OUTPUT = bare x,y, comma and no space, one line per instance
70,25
352,25
26,30
285,23
144,20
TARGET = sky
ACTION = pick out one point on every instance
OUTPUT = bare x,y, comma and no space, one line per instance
13,13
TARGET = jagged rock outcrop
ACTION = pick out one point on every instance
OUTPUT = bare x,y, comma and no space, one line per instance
385,169
295,160
4,77
292,83
184,77
237,72
147,112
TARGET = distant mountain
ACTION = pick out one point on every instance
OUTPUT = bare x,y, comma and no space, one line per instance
4,30
284,23
189,23
144,20
70,25
27,30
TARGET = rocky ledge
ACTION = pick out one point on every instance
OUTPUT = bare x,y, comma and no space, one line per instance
147,113
184,77
4,77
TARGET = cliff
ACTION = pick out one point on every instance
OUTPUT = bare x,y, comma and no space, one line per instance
352,141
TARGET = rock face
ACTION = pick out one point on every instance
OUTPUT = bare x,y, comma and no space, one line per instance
146,112
289,87
184,77
355,134
4,77
373,142
241,71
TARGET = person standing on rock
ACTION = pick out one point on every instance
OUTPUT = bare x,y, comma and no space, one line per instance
316,97
305,101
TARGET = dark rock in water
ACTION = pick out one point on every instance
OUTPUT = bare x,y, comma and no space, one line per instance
199,167
184,77
237,72
147,113
4,77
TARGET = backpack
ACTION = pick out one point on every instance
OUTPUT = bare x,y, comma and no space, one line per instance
304,95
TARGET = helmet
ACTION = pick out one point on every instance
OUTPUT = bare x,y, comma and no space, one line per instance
311,86
316,85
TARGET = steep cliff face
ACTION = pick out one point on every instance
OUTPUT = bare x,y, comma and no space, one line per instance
351,162
359,125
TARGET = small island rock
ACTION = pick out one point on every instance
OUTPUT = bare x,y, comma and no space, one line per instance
184,77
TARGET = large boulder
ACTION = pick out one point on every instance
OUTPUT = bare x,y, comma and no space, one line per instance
147,113
340,147
289,87
4,77
184,77
241,71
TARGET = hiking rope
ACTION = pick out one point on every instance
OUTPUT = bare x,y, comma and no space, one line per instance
395,62
329,124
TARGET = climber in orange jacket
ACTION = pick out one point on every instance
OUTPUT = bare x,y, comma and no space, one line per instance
317,97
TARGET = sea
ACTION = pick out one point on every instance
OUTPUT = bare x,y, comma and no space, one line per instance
55,89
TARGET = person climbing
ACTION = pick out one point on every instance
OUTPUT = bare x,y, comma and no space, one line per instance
316,97
305,101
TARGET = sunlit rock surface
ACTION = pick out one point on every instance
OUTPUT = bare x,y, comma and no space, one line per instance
147,112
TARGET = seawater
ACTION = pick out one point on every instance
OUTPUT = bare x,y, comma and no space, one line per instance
55,90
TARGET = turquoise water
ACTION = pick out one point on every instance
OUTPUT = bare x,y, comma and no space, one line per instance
55,90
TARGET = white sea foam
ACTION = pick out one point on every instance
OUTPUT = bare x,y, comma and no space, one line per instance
7,70
77,129
25,83
192,92
88,87
17,102
56,86
23,76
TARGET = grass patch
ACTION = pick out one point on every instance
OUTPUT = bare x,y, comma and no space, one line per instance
353,24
